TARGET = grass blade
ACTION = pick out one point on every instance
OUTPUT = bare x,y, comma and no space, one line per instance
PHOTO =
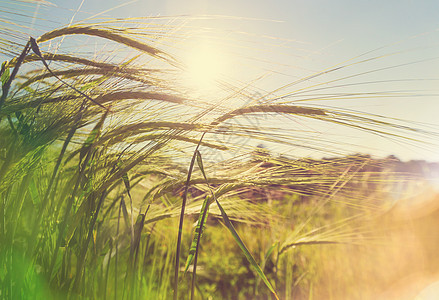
245,250
180,225
267,255
235,234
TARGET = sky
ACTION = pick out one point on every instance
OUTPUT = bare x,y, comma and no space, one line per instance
294,39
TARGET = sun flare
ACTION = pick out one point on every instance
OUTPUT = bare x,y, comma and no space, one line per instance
205,66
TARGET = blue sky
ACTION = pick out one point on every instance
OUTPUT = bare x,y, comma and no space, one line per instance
310,36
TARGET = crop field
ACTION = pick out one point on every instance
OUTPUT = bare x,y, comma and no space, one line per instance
121,178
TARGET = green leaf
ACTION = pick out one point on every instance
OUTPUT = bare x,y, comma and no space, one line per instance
35,47
33,191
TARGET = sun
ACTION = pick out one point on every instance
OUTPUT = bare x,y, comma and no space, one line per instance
205,65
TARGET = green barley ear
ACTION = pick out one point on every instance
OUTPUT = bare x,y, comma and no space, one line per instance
93,136
125,213
200,164
127,184
198,231
96,131
5,74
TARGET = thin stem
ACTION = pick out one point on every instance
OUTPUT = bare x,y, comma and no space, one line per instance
180,226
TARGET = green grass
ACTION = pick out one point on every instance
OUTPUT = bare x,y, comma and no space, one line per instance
94,160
